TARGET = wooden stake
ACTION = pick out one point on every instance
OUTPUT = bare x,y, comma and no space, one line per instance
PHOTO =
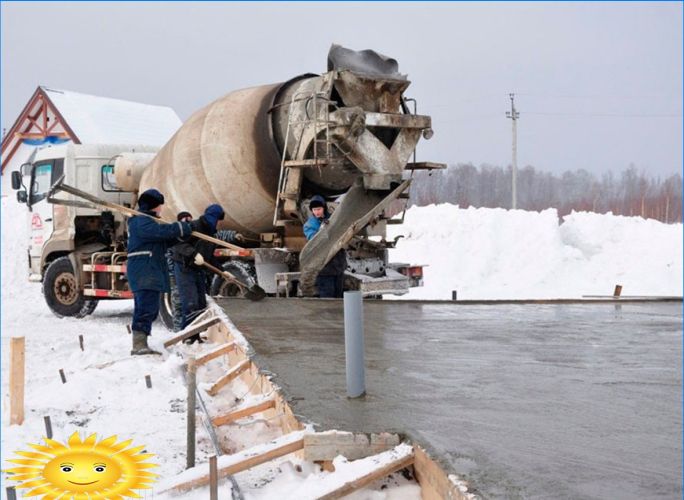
62,376
192,384
148,381
128,329
618,291
48,426
16,381
213,479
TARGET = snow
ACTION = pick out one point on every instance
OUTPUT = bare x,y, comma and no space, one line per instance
106,394
482,253
487,253
102,120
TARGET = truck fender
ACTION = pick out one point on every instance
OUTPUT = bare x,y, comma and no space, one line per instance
77,256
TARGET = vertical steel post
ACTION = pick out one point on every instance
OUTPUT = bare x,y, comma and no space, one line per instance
353,344
48,426
192,384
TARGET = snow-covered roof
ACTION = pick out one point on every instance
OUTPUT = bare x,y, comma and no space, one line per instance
102,120
53,116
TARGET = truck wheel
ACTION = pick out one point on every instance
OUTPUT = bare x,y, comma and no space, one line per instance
166,311
223,288
61,292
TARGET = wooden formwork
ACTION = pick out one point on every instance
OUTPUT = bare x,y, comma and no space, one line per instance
320,447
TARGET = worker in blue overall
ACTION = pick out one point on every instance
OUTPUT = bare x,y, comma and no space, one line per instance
330,279
146,268
188,259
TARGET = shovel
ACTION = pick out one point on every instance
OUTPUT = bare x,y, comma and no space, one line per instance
254,292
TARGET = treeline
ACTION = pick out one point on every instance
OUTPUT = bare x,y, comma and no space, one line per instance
631,193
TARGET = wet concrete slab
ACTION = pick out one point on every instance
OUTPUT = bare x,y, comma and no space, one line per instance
523,401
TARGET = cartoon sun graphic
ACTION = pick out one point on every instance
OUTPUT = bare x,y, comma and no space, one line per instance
83,470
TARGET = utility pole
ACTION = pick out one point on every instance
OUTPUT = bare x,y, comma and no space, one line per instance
514,115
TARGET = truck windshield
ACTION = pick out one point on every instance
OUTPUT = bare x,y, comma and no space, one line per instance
42,180
108,179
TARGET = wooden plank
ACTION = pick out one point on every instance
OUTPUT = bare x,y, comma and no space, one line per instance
434,482
229,377
246,459
215,353
324,446
193,330
362,476
243,412
16,380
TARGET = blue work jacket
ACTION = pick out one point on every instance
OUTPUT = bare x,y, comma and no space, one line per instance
147,244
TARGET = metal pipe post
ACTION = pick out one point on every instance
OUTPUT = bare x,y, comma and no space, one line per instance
192,385
48,426
353,344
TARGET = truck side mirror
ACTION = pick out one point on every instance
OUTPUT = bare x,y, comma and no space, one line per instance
16,180
21,196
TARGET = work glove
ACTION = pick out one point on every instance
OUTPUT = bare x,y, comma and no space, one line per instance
198,260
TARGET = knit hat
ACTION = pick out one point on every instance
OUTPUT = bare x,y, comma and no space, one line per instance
150,199
317,201
183,215
213,214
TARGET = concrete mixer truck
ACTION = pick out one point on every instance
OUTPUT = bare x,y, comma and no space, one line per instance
348,134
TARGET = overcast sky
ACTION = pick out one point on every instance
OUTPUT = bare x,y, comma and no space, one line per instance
598,85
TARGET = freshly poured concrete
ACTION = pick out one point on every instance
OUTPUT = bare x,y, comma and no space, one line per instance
523,401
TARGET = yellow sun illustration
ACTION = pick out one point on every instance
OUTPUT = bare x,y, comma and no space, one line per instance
83,470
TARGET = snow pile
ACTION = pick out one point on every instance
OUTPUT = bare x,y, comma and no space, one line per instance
514,254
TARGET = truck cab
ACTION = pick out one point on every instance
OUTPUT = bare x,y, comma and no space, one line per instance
60,236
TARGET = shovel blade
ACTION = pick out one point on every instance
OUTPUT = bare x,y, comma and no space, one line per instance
255,293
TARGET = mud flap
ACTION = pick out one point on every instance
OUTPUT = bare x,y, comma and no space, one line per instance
358,207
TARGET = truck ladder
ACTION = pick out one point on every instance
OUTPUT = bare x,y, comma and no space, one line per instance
289,183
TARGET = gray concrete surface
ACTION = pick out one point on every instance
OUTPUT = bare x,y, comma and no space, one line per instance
523,401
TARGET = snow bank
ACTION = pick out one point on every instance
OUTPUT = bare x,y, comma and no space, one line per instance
514,254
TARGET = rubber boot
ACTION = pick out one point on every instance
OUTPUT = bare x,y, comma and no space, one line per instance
140,347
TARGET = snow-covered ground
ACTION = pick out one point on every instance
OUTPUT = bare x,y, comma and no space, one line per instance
105,391
482,253
485,253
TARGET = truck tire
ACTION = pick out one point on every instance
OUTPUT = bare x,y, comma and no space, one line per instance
166,311
242,271
61,292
